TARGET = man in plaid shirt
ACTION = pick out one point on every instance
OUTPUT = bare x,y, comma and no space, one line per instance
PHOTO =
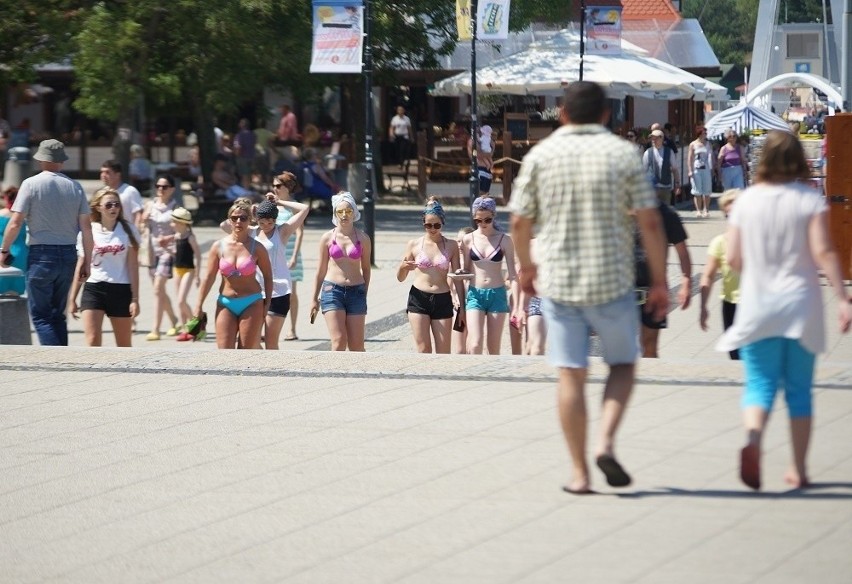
579,186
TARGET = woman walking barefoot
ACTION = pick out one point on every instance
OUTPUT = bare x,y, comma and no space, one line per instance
283,186
241,305
343,276
430,305
157,217
778,239
487,300
112,288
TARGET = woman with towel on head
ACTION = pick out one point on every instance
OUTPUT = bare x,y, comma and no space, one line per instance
343,276
432,258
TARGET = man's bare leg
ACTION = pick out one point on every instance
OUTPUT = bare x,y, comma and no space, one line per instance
619,386
572,416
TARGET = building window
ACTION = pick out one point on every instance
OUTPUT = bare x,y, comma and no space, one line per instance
803,46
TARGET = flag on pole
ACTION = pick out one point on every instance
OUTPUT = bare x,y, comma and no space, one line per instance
463,19
492,20
603,30
338,40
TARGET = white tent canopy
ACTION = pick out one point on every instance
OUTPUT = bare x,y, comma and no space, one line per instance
743,117
546,68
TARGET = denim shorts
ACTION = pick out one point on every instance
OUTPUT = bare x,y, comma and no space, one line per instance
569,328
351,299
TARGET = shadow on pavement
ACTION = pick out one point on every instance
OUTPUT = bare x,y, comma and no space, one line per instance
804,494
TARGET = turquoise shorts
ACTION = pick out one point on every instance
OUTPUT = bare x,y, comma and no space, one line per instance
487,300
778,362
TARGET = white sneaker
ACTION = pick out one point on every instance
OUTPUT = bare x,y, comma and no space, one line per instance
706,214
698,215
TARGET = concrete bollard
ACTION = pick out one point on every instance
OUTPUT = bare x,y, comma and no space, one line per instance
14,316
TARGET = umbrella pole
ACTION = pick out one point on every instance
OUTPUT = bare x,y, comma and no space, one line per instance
474,172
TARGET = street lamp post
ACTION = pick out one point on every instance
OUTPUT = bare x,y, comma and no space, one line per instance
474,171
582,35
369,203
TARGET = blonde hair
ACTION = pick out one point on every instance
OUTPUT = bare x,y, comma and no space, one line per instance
728,197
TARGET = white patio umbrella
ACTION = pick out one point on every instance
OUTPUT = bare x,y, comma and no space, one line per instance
743,117
547,67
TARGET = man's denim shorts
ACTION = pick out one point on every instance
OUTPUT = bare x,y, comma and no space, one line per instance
616,324
351,299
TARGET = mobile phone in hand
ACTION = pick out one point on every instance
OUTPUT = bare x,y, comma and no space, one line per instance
313,315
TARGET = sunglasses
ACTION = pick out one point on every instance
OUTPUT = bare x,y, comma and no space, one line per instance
238,218
163,187
487,221
433,225
631,135
344,211
111,205
277,185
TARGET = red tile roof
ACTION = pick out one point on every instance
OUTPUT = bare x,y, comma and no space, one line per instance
646,9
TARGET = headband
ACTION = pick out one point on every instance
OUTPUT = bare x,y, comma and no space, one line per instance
434,208
344,197
484,204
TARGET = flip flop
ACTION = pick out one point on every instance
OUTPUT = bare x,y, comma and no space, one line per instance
750,466
571,491
616,476
291,338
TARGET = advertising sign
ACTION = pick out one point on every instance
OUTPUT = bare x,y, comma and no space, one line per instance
338,38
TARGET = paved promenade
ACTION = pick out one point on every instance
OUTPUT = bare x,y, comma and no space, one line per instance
175,462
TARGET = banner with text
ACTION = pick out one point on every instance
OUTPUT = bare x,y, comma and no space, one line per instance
492,20
603,30
338,36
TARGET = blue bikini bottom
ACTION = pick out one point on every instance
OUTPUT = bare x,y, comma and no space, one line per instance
238,305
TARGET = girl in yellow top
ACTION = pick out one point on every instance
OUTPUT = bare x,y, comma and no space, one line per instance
717,260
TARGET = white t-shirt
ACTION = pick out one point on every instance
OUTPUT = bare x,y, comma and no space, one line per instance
400,125
109,254
277,251
779,285
131,201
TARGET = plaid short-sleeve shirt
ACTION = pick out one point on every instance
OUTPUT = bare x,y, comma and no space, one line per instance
579,185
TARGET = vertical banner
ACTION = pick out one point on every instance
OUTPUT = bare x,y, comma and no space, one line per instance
603,30
463,19
492,20
338,39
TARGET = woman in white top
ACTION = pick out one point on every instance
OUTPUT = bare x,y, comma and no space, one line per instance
401,134
699,164
112,288
778,240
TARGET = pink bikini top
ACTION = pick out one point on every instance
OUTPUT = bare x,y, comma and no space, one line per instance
336,252
246,268
424,262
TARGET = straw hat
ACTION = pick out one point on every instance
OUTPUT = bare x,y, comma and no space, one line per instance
181,215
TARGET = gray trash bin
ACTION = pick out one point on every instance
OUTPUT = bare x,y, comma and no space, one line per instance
14,315
18,166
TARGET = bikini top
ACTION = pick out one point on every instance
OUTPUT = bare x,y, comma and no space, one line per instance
336,252
496,254
246,268
424,262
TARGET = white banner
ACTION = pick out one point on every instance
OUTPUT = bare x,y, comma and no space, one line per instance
492,20
603,30
338,36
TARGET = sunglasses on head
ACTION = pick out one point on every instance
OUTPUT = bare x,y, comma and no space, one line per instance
161,187
433,225
487,221
238,218
111,205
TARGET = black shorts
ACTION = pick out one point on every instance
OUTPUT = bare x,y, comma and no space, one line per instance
279,306
113,299
436,306
485,178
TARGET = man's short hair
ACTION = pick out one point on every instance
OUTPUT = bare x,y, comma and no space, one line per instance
584,102
113,165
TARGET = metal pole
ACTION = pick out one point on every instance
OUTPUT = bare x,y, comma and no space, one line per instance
369,204
845,62
582,35
474,171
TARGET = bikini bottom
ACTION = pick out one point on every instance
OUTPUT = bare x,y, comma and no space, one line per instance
238,305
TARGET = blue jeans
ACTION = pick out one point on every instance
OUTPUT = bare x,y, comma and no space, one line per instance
49,278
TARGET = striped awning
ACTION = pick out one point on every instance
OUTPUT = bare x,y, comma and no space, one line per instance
744,117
